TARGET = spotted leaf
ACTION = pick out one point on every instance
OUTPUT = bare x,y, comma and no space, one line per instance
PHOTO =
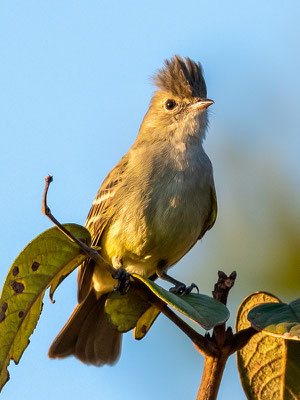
43,263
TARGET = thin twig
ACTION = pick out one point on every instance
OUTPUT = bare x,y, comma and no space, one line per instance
89,251
223,286
204,345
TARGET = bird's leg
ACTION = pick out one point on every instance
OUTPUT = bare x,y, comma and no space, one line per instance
180,287
121,275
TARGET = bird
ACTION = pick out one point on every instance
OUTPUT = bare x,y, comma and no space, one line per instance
150,210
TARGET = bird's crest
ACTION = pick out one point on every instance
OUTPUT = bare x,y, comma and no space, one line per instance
181,77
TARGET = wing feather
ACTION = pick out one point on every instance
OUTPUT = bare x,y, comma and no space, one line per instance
99,216
209,223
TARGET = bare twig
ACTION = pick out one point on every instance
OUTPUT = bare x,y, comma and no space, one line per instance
223,285
220,293
89,251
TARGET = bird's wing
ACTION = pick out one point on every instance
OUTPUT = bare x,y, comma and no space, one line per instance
209,223
210,220
103,205
99,216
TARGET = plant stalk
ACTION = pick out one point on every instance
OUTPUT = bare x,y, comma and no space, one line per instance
211,378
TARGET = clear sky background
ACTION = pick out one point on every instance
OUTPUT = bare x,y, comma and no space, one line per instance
74,87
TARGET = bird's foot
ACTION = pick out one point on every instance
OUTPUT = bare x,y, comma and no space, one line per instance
123,278
181,288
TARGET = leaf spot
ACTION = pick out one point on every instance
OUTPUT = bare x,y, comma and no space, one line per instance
18,287
2,313
144,329
2,316
21,314
35,266
15,271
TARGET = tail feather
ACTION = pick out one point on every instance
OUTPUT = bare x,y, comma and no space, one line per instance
88,334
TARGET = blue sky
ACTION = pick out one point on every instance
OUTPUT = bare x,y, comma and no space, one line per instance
74,79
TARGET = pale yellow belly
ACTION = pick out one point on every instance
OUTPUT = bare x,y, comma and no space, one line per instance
139,245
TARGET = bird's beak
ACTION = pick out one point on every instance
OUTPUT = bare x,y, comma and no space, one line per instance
201,104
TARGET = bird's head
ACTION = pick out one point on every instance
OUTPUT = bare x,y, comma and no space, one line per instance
178,108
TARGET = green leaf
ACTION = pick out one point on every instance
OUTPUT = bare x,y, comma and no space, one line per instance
125,310
43,262
277,319
202,309
145,322
269,366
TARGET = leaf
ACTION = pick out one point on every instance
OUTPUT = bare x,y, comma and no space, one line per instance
269,366
43,262
202,309
277,319
125,310
145,322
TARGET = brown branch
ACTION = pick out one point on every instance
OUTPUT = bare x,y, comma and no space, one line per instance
214,365
89,251
216,348
211,377
227,343
203,344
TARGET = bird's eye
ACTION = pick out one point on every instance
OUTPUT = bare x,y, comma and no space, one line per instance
170,104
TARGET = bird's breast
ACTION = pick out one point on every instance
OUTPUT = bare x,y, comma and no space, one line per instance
161,216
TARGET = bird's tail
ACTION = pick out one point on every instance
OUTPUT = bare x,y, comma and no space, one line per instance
88,334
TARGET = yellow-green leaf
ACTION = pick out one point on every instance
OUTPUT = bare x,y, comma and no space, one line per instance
277,319
125,310
145,322
269,366
41,264
202,309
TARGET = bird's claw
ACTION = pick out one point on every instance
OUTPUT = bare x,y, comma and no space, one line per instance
183,289
123,278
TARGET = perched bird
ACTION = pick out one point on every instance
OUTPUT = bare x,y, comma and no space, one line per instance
151,209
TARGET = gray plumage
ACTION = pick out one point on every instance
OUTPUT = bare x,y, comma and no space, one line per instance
154,205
